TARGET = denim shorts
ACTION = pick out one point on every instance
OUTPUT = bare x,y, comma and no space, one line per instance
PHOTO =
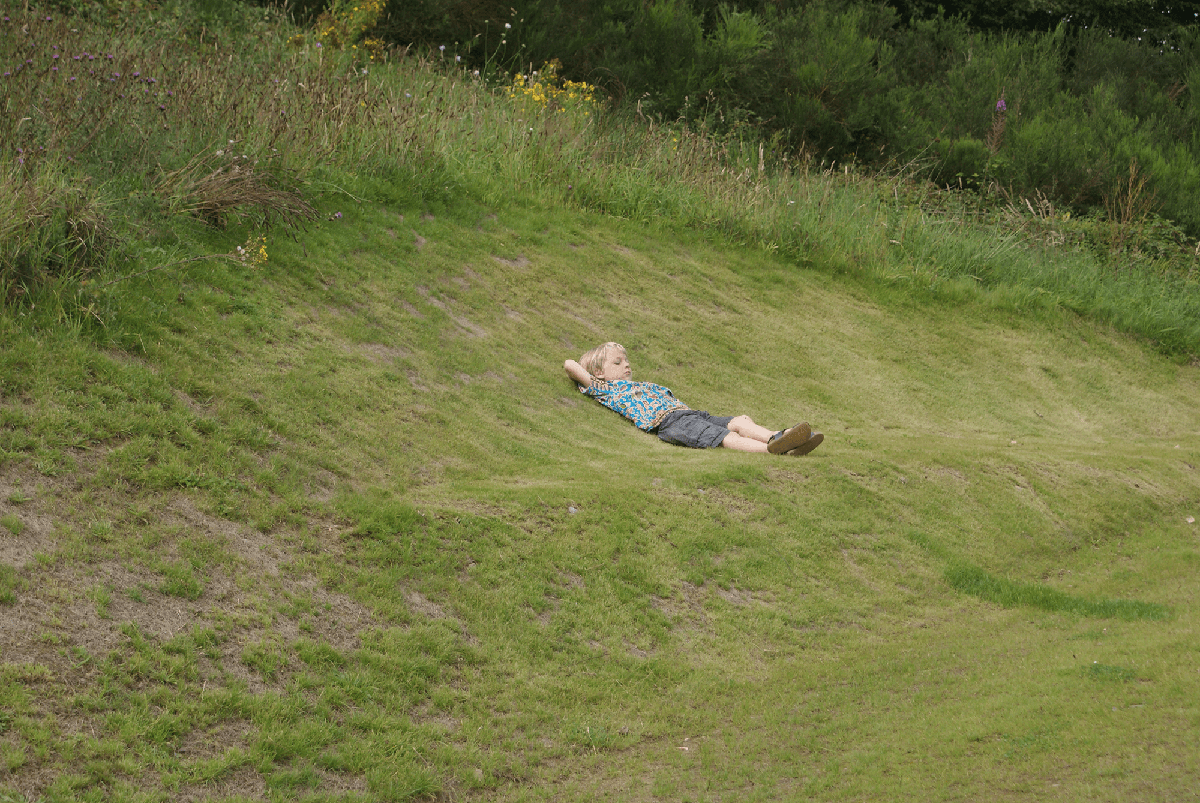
694,428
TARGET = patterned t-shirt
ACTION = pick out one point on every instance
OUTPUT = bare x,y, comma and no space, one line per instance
643,403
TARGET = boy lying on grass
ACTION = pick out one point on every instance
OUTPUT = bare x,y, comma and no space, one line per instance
604,374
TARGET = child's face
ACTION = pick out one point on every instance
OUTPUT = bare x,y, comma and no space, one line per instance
616,366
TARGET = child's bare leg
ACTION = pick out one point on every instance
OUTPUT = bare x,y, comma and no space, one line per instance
742,425
740,443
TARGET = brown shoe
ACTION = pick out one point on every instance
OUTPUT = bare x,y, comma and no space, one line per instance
789,439
812,443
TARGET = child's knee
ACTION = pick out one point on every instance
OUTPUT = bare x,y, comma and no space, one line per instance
739,422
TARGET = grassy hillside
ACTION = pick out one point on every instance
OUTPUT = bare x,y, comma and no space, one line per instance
333,524
341,527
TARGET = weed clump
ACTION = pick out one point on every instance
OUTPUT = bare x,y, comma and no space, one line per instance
546,90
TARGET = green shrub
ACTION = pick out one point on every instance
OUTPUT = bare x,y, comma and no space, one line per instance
663,51
1057,153
832,67
961,161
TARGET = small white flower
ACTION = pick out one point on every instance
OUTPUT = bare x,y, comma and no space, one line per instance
507,27
458,58
442,48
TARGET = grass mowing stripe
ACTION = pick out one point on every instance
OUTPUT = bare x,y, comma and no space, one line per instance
1010,593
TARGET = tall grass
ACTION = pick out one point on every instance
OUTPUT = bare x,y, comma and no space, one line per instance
135,127
887,229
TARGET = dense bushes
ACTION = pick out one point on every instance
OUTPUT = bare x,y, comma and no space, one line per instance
861,81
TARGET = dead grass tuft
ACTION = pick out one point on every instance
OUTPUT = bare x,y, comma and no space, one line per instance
219,186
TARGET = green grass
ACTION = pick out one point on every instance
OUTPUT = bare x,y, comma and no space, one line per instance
973,580
364,575
336,526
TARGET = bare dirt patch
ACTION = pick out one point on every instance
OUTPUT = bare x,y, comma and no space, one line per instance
685,610
212,742
424,606
243,783
378,352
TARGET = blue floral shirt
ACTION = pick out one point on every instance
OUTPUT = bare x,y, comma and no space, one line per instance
643,403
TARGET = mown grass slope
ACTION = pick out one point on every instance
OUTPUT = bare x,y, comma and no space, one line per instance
339,527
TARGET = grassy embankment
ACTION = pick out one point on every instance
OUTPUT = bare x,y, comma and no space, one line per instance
335,524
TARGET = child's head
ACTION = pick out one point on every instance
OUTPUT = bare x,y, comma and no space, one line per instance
609,358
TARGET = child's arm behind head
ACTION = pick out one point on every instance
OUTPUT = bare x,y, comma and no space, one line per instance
578,373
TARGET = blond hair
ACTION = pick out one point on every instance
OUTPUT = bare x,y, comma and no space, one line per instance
593,361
